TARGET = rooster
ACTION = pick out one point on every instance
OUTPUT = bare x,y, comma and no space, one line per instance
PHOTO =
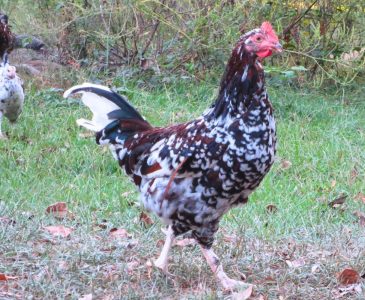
11,90
191,174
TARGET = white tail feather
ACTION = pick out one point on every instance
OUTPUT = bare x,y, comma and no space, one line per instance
99,106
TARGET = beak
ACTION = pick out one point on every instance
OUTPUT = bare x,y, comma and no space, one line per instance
277,48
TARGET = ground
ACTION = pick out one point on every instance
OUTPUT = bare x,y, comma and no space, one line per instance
288,240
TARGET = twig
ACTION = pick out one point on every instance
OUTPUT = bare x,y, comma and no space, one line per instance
289,27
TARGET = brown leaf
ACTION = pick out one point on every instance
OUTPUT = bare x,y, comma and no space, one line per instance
338,202
333,183
59,211
145,219
87,297
59,230
361,217
360,197
4,277
285,164
118,233
348,276
271,208
295,263
243,295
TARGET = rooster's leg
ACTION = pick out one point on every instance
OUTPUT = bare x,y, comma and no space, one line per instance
217,268
162,261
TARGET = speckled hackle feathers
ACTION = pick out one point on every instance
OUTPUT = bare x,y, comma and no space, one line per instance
190,174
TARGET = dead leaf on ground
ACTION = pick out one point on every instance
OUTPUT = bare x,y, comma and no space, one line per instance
360,197
361,217
244,295
338,202
348,276
333,183
300,262
59,230
271,208
4,277
59,211
285,164
145,220
118,233
87,297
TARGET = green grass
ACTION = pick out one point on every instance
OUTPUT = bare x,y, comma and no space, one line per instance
46,161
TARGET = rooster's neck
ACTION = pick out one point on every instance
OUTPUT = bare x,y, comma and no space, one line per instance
242,87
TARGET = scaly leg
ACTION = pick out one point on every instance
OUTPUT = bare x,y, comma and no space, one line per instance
217,268
162,261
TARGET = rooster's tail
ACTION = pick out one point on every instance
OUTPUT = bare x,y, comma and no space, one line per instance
112,114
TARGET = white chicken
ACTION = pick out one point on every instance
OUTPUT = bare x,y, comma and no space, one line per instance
11,93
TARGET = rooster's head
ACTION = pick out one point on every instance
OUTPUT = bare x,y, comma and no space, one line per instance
262,41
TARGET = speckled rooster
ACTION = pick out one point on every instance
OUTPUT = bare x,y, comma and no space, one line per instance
191,174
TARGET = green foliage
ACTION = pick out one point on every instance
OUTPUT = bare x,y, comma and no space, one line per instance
191,37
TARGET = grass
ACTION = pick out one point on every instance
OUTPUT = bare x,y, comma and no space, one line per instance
45,161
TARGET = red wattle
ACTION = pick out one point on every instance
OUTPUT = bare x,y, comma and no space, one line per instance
264,53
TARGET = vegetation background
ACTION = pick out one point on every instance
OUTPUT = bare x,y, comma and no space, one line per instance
301,229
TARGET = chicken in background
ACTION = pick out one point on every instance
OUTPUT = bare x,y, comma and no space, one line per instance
191,174
11,90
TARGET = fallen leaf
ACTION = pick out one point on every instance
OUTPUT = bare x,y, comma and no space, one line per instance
87,297
4,277
243,295
59,211
59,230
360,197
295,263
361,217
348,276
333,183
145,219
118,233
271,208
285,164
338,202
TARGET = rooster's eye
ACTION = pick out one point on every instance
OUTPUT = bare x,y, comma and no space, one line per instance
259,39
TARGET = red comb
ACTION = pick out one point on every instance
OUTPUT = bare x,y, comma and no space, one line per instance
267,28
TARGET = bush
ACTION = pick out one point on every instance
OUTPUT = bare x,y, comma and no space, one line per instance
323,39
